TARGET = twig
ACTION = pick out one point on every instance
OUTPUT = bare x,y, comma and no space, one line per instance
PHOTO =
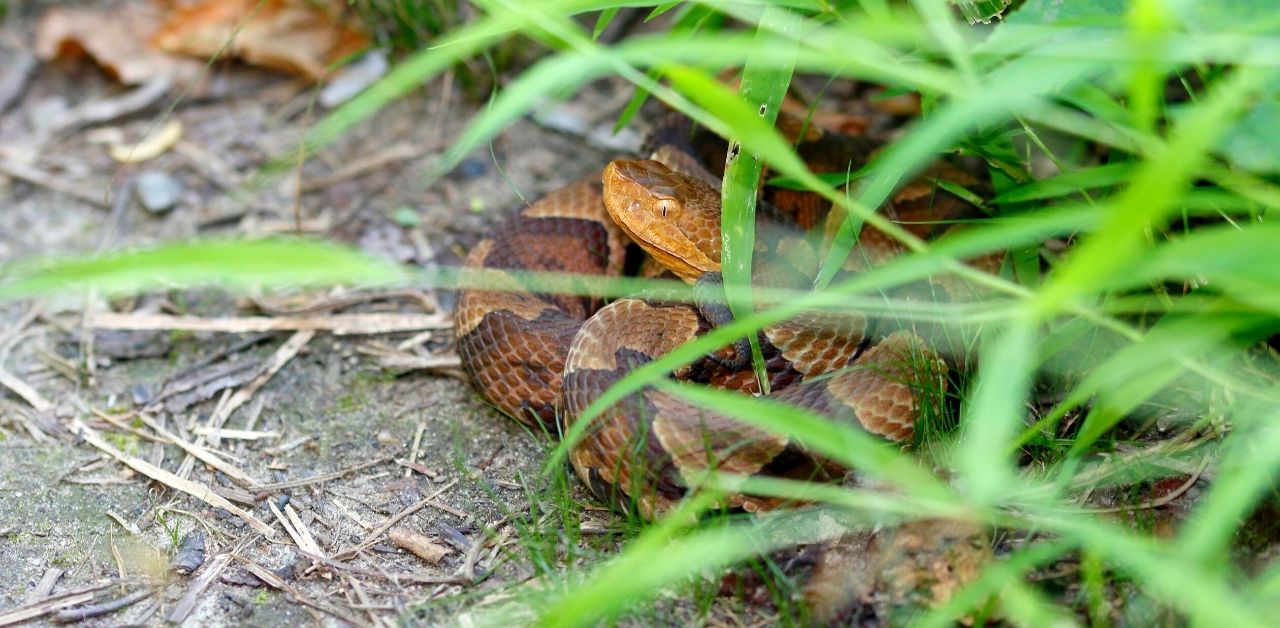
337,324
47,582
204,455
278,583
351,515
390,577
323,477
289,446
417,443
293,527
1161,501
334,303
229,434
215,356
125,427
15,80
286,352
365,603
22,389
397,152
377,533
212,570
52,603
199,491
97,610
35,176
107,109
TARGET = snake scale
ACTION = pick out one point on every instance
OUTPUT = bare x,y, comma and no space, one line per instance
543,358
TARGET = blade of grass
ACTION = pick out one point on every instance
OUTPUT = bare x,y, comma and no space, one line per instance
241,265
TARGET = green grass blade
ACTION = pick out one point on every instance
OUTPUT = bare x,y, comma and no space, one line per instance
230,264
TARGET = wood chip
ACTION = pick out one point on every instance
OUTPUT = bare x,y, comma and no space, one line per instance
419,545
372,537
47,582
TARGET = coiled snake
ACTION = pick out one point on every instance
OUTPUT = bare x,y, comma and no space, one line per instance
543,358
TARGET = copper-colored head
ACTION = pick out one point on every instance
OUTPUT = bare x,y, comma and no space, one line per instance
672,216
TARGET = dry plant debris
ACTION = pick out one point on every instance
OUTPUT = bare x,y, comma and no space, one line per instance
292,35
136,42
116,39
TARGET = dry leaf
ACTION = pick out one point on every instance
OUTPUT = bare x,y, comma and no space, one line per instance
149,147
115,39
292,35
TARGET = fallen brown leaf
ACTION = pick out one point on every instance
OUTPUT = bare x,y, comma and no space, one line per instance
297,36
115,39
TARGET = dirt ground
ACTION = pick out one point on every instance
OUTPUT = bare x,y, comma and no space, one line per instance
77,518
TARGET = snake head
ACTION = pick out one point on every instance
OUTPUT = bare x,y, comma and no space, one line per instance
673,216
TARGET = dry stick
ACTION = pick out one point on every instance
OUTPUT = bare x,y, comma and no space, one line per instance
351,515
47,582
44,607
200,364
278,583
286,352
211,572
377,533
323,477
293,526
338,302
337,324
199,491
24,390
125,427
52,603
417,443
230,434
43,179
396,578
364,600
204,455
81,614
397,152
1157,503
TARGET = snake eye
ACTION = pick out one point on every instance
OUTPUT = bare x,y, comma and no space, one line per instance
667,207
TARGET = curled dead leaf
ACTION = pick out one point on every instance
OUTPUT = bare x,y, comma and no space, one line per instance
115,39
149,147
299,36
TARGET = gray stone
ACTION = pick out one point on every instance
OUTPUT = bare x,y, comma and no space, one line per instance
157,191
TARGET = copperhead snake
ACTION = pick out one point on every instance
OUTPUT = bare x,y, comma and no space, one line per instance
543,358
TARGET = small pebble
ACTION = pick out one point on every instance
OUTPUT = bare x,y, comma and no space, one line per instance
472,168
157,191
354,78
